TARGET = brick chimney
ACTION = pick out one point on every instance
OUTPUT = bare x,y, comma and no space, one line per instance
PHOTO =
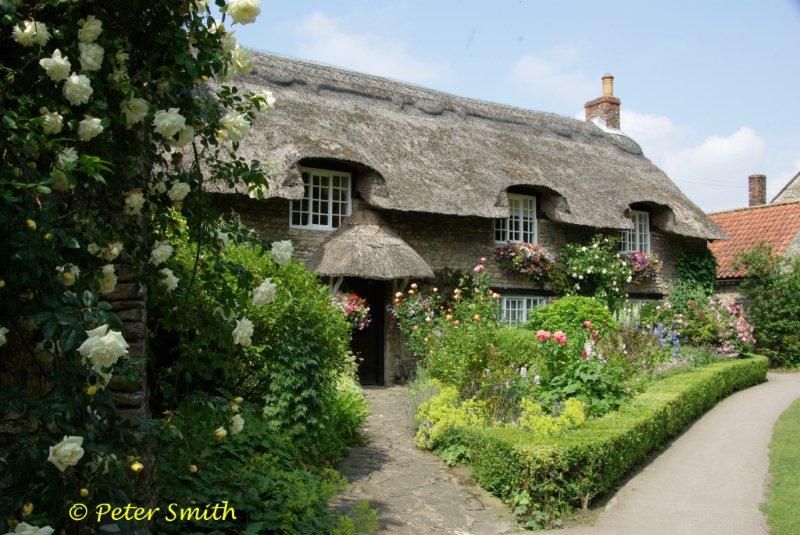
757,188
606,108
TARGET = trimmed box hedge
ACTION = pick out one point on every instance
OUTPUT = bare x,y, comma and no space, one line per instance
568,470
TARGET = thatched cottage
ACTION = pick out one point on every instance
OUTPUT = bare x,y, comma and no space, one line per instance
379,182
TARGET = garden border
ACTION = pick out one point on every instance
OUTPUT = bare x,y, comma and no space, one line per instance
568,470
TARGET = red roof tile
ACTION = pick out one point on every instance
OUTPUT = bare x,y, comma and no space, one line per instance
774,224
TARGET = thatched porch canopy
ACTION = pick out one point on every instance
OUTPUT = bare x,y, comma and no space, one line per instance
366,248
439,153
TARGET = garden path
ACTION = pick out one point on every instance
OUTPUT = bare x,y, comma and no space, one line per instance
414,492
711,479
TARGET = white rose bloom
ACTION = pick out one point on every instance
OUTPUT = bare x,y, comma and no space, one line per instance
258,192
269,99
234,127
57,66
91,56
220,432
31,33
135,110
66,453
242,60
264,293
223,238
281,252
112,251
52,122
91,28
134,202
89,128
243,11
66,159
228,43
103,347
3,333
23,528
242,332
68,273
185,136
168,122
77,89
179,191
169,280
237,424
161,252
108,282
93,249
159,187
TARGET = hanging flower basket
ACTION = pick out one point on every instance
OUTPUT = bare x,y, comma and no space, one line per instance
354,308
644,266
525,260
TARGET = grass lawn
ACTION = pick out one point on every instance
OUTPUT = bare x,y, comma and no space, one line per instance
783,495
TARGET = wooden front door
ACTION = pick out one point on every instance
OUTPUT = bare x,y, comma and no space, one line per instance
367,345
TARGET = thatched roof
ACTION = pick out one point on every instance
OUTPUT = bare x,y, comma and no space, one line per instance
363,246
434,152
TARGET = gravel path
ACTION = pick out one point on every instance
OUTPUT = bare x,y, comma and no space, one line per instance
413,490
711,479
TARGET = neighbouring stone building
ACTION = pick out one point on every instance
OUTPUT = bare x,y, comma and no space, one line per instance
776,224
439,181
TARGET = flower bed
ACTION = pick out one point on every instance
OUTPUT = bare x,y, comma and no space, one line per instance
525,260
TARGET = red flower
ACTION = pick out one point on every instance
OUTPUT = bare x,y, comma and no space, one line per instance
560,337
587,324
543,335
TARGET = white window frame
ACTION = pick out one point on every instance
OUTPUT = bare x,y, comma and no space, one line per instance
517,216
637,239
523,305
296,206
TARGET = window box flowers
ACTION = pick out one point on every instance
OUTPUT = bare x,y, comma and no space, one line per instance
354,308
524,260
644,266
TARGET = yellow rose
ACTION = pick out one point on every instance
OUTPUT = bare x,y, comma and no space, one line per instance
193,468
84,492
27,510
136,467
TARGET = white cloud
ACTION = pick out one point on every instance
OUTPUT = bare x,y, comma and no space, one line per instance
323,39
551,78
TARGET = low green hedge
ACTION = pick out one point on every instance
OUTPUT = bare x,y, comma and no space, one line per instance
545,478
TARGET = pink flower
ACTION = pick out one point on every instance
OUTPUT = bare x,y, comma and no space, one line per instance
479,268
560,337
543,335
587,324
483,260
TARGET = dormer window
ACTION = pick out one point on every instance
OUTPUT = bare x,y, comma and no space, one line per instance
326,200
520,225
637,239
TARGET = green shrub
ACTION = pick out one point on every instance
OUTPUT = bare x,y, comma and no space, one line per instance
697,268
558,473
568,314
444,412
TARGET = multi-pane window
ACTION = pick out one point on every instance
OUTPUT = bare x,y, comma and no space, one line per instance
638,238
326,200
520,225
514,308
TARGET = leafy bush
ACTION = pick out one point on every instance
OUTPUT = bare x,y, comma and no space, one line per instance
697,268
541,425
569,313
772,289
445,411
554,474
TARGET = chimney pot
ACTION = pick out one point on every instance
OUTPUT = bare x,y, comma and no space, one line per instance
757,189
606,107
608,85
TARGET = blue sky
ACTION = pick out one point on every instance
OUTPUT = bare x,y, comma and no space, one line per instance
711,90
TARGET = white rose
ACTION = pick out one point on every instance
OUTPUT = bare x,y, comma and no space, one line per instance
112,251
242,60
281,252
161,252
158,187
269,100
135,110
91,56
179,191
68,273
23,528
220,433
264,293
31,33
77,89
169,280
52,122
243,11
66,159
66,453
108,282
234,127
242,332
103,347
89,128
185,136
56,66
237,424
168,122
134,202
228,43
3,333
91,28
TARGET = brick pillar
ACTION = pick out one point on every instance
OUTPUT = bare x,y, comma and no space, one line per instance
757,189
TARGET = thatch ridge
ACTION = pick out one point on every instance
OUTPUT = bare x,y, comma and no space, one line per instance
446,154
